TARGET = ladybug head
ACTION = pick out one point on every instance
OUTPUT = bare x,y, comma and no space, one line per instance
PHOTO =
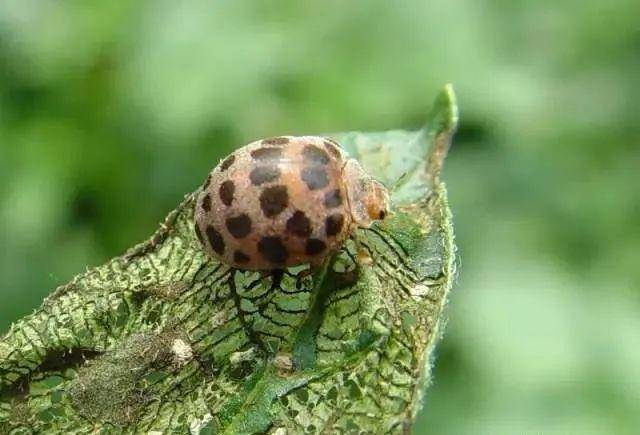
368,198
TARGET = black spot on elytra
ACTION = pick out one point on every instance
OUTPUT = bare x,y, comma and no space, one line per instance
315,177
273,250
332,148
299,225
226,191
280,140
315,247
196,227
206,202
226,164
267,154
240,257
334,224
207,182
239,226
333,199
215,240
264,174
314,155
273,200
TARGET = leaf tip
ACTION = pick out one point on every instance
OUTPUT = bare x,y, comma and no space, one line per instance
441,127
448,95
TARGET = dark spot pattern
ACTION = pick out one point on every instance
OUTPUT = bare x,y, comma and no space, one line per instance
315,177
273,250
206,202
196,227
280,140
382,214
264,174
332,148
315,247
226,164
273,200
299,224
240,257
334,224
239,226
226,191
267,154
333,199
215,240
314,155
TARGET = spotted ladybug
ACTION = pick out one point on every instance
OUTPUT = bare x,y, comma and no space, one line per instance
285,201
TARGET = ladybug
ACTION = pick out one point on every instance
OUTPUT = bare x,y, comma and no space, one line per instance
285,201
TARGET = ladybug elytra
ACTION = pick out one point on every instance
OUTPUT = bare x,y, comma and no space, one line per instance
285,201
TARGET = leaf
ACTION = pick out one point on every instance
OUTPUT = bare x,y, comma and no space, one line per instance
167,339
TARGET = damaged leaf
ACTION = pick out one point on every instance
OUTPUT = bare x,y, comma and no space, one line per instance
167,339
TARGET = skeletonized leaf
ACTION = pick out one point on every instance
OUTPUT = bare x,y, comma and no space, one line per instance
166,339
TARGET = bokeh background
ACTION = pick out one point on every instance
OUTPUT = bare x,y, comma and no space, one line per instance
111,110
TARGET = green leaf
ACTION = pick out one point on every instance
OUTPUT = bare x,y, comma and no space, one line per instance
166,339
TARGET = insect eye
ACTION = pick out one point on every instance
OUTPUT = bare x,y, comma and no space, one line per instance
382,214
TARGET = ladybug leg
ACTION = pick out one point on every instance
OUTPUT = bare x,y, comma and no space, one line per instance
276,278
275,275
315,266
362,256
301,276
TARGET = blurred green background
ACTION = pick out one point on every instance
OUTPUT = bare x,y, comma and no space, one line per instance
111,110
